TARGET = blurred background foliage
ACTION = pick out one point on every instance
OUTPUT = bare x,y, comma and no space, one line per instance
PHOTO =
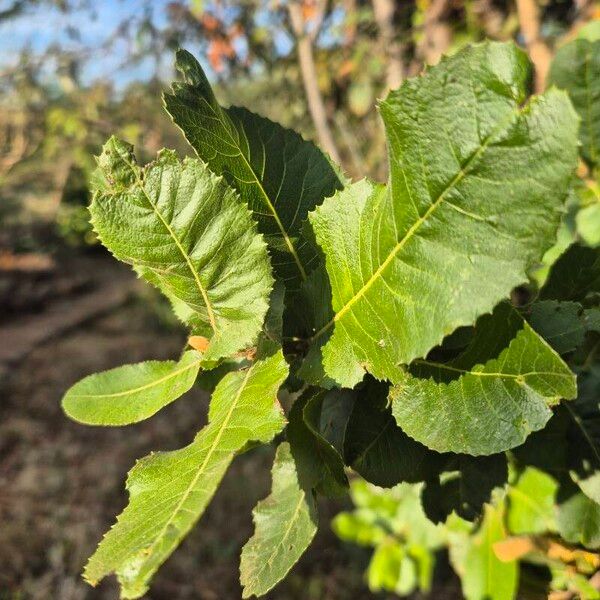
75,71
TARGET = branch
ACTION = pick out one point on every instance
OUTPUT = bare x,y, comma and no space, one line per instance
529,21
306,60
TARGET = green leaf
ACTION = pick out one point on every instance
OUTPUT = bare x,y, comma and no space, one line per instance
319,464
477,187
485,400
361,527
378,449
168,491
285,524
483,575
576,69
531,503
587,219
465,487
131,393
276,172
574,275
187,232
579,519
561,324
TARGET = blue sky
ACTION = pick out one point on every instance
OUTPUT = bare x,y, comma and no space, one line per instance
42,26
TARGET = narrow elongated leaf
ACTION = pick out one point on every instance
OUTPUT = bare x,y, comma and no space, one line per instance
486,400
131,393
187,232
285,524
477,187
276,172
378,449
576,69
168,491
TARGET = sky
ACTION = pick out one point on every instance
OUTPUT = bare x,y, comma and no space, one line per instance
80,29
84,29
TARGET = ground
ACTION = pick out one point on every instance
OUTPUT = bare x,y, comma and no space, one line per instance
61,483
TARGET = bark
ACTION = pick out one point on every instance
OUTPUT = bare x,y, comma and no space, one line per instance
390,46
529,22
306,60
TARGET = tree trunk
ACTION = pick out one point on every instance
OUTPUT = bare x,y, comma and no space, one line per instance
306,60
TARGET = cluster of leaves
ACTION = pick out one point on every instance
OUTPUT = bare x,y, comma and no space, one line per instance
382,310
518,531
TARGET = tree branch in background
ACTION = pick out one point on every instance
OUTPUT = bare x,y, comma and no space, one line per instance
529,21
437,33
390,46
306,60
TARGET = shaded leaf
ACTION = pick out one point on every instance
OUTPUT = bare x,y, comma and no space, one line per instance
378,449
243,408
465,487
583,435
319,464
276,172
561,324
574,275
131,393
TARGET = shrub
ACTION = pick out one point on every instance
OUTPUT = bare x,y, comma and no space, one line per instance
384,310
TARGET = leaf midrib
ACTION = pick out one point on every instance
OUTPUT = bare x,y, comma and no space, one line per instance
200,472
145,386
437,365
281,542
261,188
416,225
184,254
